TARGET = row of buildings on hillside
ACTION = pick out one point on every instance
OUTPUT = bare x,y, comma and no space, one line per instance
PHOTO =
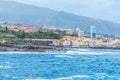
18,27
92,33
71,41
92,40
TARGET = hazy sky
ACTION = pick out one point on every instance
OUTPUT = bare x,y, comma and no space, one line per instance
102,9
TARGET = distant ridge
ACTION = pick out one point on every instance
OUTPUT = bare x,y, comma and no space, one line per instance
14,12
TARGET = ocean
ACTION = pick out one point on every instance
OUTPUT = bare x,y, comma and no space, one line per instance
76,64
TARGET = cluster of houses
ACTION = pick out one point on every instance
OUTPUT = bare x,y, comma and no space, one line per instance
18,27
72,41
31,28
26,29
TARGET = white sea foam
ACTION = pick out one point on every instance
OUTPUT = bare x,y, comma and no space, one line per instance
83,50
98,76
5,67
92,52
84,53
62,56
63,78
72,77
37,79
8,76
71,52
15,77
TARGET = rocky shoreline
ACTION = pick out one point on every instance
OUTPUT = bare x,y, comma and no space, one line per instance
45,48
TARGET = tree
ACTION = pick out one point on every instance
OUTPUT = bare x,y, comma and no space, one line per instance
6,29
20,34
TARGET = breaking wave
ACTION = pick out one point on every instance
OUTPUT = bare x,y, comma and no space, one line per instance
63,78
72,52
63,56
98,76
91,52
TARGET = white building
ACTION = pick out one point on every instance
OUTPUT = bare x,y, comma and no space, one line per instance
80,33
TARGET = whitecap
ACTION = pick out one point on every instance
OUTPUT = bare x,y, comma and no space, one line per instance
83,50
71,52
90,52
37,79
63,78
72,77
5,67
63,56
83,53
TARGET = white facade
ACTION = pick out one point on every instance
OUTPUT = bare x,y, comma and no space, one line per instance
80,33
75,44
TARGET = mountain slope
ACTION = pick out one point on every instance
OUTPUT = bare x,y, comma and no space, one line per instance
14,12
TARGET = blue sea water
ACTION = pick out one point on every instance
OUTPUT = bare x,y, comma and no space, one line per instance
77,64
